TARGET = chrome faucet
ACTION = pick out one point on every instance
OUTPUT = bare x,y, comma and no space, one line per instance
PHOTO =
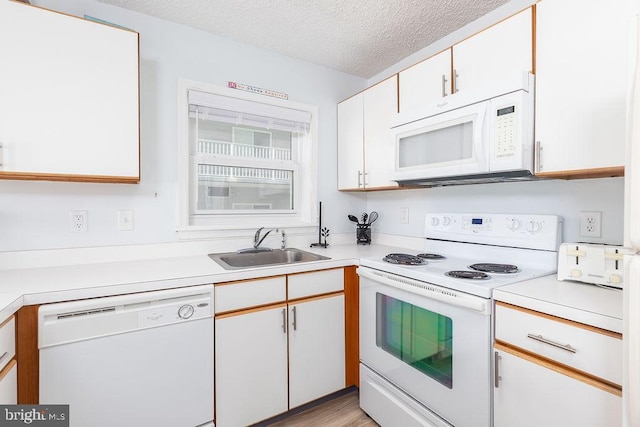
257,240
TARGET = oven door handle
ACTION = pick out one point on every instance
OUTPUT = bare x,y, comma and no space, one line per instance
428,290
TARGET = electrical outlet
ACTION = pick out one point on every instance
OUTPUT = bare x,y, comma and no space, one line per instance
78,221
125,220
590,224
404,215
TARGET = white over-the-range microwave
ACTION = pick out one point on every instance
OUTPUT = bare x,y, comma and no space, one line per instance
467,139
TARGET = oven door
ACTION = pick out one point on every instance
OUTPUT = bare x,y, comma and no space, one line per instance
431,342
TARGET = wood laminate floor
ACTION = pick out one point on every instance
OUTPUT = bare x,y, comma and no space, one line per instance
341,411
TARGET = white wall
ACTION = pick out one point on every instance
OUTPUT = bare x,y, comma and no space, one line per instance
564,198
35,215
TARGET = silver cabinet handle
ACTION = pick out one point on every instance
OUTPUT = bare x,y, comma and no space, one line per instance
538,149
284,320
455,80
1,151
294,324
540,338
496,374
359,179
444,85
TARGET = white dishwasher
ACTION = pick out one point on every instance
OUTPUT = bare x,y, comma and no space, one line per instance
143,359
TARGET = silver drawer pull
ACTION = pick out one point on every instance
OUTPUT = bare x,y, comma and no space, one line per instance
5,354
542,339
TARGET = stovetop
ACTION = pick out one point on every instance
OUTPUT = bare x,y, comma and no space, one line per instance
524,245
530,265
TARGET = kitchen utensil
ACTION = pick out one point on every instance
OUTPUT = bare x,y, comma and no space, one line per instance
364,218
353,218
372,217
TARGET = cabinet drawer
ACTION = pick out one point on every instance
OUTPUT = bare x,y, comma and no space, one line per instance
595,352
315,283
7,341
251,293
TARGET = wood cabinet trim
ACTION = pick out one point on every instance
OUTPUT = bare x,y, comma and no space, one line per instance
534,44
351,324
27,355
250,310
6,321
34,176
608,172
559,368
7,368
561,320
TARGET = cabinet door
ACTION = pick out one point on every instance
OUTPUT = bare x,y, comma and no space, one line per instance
426,83
350,143
9,384
530,395
380,105
316,349
497,59
68,97
251,366
581,83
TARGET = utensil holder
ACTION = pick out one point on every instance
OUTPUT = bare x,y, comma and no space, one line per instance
363,234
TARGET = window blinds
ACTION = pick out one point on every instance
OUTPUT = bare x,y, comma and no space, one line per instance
209,106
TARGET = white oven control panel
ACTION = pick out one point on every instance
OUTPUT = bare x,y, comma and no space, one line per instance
513,230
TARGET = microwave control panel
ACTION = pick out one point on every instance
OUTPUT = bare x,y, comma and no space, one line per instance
506,131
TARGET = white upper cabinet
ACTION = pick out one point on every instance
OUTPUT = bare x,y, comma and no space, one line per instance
491,62
69,97
581,84
365,150
425,83
350,143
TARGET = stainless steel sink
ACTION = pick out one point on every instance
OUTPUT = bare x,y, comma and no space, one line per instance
247,259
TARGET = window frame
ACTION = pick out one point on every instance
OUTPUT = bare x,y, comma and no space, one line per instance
304,215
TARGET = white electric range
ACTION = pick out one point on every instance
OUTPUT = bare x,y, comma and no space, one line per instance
425,317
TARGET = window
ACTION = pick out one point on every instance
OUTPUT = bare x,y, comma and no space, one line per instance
242,160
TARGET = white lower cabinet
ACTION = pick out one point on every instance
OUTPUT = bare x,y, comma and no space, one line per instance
9,384
553,372
532,395
251,367
8,364
316,349
273,355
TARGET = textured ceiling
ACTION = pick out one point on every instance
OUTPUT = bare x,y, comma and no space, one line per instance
359,37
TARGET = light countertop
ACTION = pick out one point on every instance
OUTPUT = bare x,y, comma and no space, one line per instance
577,301
39,285
26,286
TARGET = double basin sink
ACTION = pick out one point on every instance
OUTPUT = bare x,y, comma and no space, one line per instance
261,258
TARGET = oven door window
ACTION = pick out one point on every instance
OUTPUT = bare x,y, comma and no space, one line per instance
418,337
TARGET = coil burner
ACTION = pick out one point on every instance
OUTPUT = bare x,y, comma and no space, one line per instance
466,274
495,268
404,259
432,257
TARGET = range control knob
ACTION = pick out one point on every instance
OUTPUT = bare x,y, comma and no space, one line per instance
435,221
533,226
513,224
446,220
186,311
